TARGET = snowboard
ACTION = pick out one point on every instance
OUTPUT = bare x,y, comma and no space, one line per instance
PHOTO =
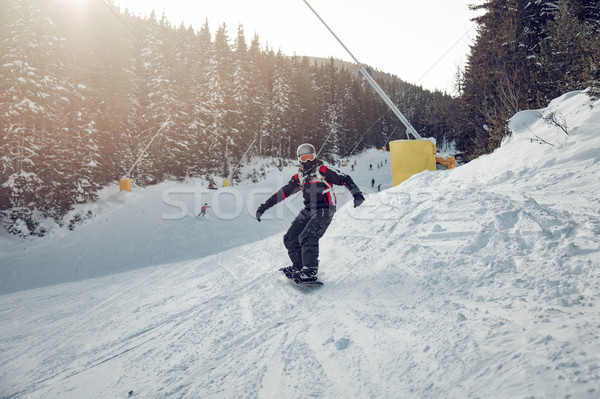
306,284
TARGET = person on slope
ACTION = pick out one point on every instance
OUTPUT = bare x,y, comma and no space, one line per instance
203,210
315,180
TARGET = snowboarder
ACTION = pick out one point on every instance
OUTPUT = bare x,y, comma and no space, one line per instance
203,210
315,180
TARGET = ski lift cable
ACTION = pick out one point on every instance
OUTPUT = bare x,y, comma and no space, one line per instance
409,128
359,140
164,124
418,81
122,20
355,146
323,145
241,159
364,134
422,77
446,53
390,136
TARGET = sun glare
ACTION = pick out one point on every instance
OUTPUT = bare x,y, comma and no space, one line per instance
77,5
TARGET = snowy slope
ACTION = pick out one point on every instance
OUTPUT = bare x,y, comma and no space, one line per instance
156,225
478,282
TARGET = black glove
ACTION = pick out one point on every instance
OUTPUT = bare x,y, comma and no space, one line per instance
358,199
261,209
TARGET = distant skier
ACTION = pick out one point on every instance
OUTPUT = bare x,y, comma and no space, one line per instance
372,182
315,180
203,210
379,187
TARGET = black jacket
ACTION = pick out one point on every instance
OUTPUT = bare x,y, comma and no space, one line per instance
316,185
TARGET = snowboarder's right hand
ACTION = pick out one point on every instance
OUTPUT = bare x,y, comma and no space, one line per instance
358,199
261,209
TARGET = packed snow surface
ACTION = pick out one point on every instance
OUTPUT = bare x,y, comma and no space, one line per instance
478,282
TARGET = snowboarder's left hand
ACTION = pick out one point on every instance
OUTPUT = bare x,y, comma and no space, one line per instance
358,199
261,209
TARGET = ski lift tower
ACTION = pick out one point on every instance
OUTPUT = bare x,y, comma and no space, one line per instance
408,157
410,130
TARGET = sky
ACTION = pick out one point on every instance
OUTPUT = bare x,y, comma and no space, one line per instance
422,42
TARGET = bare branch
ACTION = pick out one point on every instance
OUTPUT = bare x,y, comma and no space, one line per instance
537,139
558,120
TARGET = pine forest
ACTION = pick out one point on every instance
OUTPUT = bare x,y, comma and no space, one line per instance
83,95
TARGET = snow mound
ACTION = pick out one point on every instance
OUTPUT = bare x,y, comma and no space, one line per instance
480,281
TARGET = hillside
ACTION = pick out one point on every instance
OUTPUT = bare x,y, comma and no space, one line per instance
478,282
85,93
156,225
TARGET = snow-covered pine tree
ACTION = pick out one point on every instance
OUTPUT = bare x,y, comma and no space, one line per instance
351,114
493,85
30,106
80,101
200,114
302,112
219,103
257,94
277,134
241,136
324,81
563,52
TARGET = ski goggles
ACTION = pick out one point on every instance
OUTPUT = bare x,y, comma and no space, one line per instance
306,157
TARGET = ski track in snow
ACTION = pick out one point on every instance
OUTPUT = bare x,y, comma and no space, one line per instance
480,282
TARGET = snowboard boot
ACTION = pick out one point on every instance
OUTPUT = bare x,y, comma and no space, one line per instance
289,271
305,275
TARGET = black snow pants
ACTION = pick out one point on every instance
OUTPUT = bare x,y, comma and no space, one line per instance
302,238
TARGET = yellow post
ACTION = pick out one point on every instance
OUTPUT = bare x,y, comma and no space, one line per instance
448,162
125,185
409,157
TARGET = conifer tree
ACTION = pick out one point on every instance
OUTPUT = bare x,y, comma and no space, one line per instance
257,94
563,52
220,76
29,107
277,129
80,102
241,137
200,79
304,109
